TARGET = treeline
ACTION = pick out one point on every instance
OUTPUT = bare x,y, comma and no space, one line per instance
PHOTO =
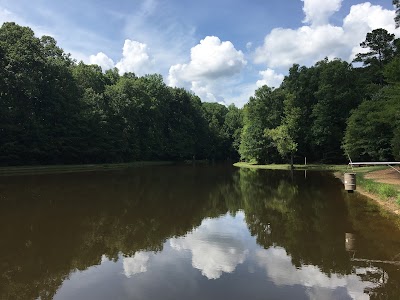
330,110
54,110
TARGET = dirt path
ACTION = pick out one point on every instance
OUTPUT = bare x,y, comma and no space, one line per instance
389,176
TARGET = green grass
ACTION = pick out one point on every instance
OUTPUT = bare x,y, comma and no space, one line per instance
383,190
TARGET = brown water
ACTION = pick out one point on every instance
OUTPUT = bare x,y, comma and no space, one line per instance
184,232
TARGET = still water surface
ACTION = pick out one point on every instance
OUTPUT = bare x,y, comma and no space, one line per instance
184,232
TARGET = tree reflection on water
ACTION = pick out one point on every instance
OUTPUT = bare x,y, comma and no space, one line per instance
54,225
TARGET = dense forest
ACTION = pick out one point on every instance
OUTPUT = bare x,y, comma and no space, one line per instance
54,110
331,109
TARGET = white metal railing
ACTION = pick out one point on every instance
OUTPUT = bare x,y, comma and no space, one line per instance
376,163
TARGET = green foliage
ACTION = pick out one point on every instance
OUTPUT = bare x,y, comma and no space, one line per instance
392,71
324,94
282,139
381,45
262,112
396,143
285,135
382,48
370,129
336,96
396,3
89,76
215,114
233,127
40,104
383,190
56,111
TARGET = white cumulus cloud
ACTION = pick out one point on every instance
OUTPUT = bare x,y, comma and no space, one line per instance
318,12
212,63
102,60
211,59
135,58
283,47
271,78
364,18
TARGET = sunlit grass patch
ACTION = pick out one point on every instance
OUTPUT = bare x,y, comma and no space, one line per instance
387,191
383,190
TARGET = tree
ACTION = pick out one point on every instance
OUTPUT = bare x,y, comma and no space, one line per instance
370,129
381,45
89,76
337,94
303,82
219,143
24,64
283,140
396,3
182,124
396,143
53,110
233,127
58,107
263,111
392,70
285,135
382,48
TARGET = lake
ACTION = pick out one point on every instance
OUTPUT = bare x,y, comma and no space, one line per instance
194,232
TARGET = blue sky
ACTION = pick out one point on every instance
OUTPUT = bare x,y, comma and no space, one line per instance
221,49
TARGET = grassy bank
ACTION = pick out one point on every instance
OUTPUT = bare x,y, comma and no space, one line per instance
386,192
387,195
26,170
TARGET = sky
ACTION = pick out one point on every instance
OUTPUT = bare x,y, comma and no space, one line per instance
222,50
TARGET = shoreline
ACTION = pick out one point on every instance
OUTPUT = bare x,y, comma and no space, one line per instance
314,167
367,186
58,169
384,204
387,196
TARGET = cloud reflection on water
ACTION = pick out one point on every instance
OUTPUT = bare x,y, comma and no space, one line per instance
220,245
280,270
217,246
136,264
